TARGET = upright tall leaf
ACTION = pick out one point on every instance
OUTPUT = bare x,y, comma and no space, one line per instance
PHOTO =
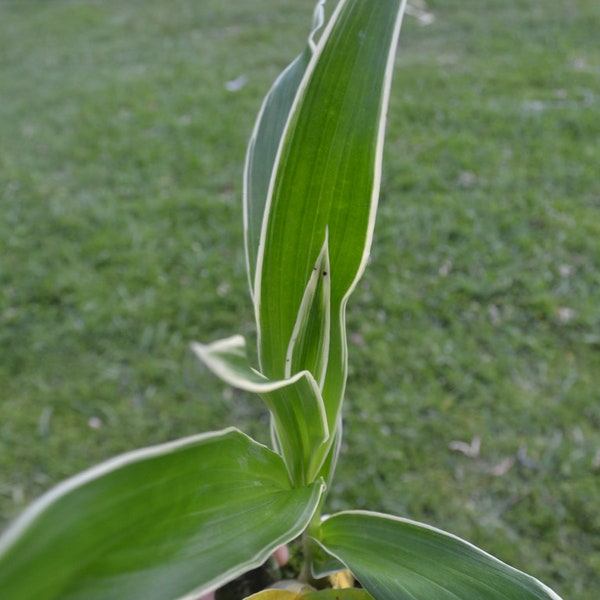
265,141
326,179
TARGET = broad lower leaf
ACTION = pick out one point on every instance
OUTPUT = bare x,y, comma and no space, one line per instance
295,403
170,521
326,182
398,559
265,141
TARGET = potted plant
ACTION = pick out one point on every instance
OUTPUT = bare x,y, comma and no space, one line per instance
183,519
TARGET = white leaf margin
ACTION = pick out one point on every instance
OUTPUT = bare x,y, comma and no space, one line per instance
552,595
14,531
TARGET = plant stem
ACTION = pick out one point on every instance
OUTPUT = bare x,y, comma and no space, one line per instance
306,575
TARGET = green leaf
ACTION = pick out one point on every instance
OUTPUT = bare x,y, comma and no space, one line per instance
326,183
165,522
295,403
398,559
309,346
264,144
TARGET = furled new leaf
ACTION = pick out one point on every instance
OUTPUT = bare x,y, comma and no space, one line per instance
166,522
295,403
398,559
309,346
326,183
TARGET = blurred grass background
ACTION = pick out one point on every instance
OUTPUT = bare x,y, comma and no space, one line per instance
473,400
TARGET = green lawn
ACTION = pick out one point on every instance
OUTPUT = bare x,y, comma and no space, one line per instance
121,153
